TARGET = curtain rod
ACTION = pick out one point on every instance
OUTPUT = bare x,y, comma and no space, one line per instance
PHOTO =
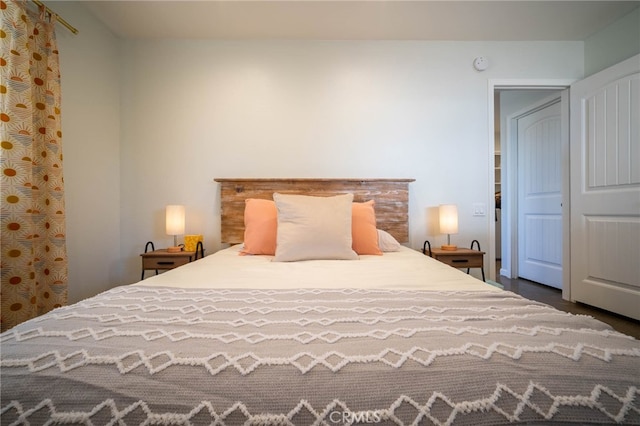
58,17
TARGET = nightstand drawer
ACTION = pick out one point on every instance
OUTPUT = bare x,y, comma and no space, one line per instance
460,258
163,260
461,261
168,262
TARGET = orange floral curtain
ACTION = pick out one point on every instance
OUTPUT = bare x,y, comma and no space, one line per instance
33,249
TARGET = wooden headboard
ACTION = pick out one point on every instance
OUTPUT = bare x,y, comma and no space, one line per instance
391,197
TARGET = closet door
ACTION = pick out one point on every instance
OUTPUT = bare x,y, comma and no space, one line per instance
540,195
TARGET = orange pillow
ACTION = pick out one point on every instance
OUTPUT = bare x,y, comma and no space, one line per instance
260,227
364,234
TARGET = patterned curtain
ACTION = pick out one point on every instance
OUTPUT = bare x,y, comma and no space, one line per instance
33,250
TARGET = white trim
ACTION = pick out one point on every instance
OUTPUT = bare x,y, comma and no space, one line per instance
565,103
519,84
537,106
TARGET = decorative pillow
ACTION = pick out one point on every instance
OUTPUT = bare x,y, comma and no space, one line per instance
387,242
313,227
260,227
363,228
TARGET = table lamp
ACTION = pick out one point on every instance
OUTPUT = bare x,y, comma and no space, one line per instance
174,225
448,224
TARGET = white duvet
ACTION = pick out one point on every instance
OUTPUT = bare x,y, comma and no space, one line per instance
406,269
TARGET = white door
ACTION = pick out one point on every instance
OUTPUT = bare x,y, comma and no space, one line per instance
540,195
605,189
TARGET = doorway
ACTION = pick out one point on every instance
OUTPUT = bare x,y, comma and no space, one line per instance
512,102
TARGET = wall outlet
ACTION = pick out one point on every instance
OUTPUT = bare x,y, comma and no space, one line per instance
479,209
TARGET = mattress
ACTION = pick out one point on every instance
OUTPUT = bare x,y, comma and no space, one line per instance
404,269
392,339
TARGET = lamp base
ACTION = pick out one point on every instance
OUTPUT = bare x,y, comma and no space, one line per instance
175,249
449,247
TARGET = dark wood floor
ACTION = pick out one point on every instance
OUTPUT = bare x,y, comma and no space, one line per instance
553,297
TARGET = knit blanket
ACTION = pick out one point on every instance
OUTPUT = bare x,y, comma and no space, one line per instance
159,355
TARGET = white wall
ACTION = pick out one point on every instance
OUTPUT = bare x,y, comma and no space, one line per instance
193,110
89,67
613,44
148,123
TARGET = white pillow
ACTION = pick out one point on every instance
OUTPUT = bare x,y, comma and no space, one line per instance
387,242
313,227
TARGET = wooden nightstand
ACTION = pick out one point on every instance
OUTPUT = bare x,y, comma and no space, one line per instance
460,258
163,260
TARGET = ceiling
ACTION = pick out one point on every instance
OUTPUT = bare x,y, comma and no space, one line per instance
360,19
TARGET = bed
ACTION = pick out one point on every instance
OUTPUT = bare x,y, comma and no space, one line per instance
388,338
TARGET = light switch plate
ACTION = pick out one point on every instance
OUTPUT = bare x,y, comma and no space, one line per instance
479,209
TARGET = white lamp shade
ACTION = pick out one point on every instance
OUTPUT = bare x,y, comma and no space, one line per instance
448,218
175,220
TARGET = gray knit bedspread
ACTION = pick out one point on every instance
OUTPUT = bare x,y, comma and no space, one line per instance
145,355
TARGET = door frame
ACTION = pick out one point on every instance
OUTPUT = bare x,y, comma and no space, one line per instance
508,243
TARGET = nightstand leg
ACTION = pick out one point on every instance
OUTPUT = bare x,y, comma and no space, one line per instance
482,268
